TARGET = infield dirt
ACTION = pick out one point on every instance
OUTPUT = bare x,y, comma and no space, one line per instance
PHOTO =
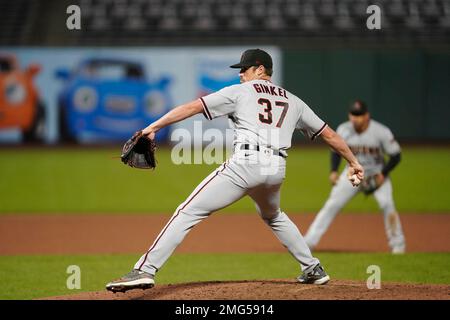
93,234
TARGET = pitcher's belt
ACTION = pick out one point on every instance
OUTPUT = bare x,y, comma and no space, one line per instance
257,148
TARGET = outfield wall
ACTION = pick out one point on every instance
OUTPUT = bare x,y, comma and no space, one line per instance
408,90
405,89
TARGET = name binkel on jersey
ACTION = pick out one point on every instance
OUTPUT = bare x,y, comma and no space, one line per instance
272,90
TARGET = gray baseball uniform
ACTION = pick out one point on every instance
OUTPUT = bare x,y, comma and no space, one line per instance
264,116
369,147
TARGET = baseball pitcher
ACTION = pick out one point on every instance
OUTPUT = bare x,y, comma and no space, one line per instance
264,117
370,141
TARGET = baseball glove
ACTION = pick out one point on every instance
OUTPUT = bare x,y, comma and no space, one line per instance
369,185
139,152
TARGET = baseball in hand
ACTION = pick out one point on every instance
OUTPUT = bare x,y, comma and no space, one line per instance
355,180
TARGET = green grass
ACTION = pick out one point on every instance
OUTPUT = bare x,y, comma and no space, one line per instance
28,277
91,181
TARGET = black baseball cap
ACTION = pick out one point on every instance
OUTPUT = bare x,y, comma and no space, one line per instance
254,57
358,108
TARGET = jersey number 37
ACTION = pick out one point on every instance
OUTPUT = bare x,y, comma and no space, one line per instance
267,117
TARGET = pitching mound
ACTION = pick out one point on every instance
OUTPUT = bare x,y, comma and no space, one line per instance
272,290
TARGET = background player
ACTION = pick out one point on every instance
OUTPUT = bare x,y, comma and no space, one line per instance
265,117
369,140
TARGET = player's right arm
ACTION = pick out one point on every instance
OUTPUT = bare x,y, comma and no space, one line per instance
213,105
311,125
335,161
338,144
175,115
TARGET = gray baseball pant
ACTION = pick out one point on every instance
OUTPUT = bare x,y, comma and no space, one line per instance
255,173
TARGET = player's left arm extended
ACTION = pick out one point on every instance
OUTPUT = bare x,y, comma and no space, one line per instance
177,114
388,167
393,161
338,144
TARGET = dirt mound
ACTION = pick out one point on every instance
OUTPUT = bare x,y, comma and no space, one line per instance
280,289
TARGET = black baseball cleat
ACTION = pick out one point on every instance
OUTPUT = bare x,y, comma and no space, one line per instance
316,276
135,279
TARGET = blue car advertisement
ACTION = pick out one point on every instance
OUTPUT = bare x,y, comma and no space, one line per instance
96,95
110,99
